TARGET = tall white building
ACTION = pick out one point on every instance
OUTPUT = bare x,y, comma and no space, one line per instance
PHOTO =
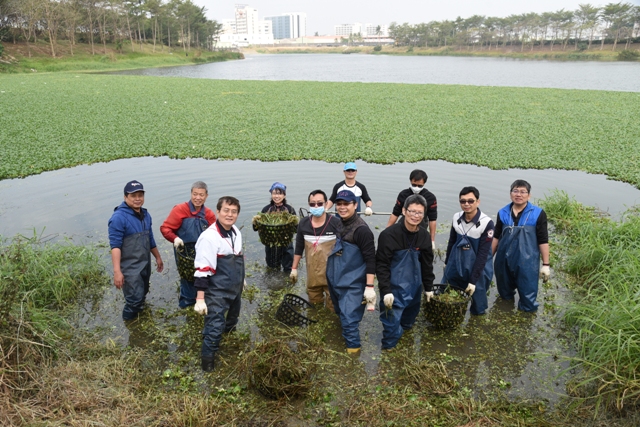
347,29
246,19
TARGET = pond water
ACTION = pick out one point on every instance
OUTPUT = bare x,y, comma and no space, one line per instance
76,204
615,76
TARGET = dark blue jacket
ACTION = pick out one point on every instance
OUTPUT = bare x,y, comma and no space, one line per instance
125,222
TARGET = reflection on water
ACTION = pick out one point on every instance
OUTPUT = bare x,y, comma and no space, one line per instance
492,350
617,76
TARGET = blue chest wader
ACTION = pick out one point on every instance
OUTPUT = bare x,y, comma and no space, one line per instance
517,260
460,266
189,232
406,287
347,279
223,298
135,264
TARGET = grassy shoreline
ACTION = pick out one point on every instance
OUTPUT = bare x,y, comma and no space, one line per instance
16,58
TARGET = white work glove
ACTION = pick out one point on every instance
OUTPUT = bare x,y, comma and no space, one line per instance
370,298
294,275
255,217
200,307
388,300
177,242
429,295
471,288
433,245
368,211
545,273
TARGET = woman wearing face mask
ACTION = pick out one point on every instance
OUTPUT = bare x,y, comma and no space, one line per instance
418,180
316,236
278,255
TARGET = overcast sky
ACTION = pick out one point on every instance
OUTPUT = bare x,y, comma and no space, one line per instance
322,15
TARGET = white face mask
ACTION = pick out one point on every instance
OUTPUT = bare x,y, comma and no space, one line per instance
416,190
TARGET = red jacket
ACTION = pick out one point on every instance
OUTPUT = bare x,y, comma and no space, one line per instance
179,212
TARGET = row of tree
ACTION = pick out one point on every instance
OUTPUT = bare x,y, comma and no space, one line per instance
172,23
614,21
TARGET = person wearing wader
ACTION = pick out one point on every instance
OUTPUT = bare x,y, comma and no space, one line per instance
404,266
183,227
315,237
132,244
219,278
357,188
351,268
277,256
469,263
520,240
418,179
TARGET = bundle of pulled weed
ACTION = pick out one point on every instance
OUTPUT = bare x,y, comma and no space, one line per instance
604,258
427,376
282,368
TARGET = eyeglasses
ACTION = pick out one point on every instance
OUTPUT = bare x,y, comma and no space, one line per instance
519,192
467,202
350,170
314,204
415,213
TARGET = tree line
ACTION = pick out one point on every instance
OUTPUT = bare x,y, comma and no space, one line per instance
126,23
614,22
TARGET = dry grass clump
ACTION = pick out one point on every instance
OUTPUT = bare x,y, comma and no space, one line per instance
281,368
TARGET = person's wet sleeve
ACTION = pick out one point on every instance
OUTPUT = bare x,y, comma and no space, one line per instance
542,232
453,236
384,255
363,238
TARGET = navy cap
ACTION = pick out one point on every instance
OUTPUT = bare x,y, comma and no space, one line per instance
350,165
133,187
278,186
347,196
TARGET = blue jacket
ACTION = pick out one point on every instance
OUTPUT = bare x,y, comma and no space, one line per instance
124,222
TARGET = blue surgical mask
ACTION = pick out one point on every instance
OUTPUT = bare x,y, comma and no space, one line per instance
317,211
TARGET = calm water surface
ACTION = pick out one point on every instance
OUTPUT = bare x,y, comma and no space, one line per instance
616,76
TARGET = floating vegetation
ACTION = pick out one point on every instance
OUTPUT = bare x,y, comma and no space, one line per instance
399,123
276,228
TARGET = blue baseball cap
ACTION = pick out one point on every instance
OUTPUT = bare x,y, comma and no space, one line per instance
350,165
133,187
347,196
278,186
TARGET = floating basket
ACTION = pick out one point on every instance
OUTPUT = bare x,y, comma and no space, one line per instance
291,311
276,229
442,312
185,256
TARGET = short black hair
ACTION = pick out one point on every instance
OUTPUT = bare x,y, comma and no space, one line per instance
418,175
415,199
231,201
316,192
467,190
521,183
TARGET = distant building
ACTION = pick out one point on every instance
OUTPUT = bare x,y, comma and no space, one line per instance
288,25
246,19
372,30
228,26
345,30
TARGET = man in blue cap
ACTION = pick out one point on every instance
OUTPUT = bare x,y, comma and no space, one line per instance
350,184
351,268
132,244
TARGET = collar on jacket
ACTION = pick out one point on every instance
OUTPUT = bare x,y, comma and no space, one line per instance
224,233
